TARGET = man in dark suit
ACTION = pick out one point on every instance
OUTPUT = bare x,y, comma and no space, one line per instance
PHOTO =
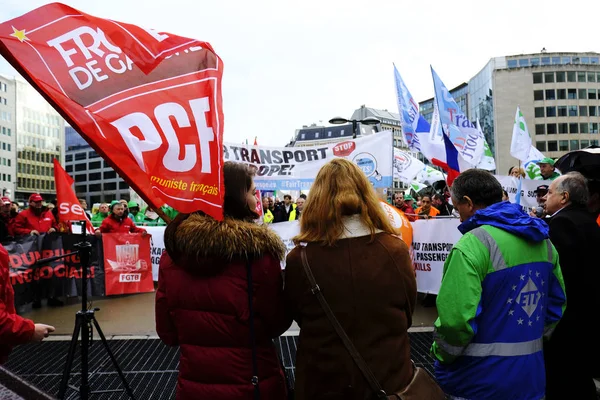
576,236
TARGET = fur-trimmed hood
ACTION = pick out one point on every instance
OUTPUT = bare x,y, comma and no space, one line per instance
203,240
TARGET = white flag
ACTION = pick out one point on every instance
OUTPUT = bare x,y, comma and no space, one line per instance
406,167
429,175
487,160
521,141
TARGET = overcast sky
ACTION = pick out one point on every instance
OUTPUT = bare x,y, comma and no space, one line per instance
289,64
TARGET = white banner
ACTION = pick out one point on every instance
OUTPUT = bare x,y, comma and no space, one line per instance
295,168
432,241
511,185
157,247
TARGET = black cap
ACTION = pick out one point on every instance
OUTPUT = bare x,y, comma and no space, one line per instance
540,189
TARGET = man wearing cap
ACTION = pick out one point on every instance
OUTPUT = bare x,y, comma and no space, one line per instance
118,221
539,211
34,220
134,212
547,169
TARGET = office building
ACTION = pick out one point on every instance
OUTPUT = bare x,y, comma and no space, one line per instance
8,128
95,180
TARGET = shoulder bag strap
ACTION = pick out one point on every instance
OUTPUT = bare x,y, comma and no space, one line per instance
360,363
254,379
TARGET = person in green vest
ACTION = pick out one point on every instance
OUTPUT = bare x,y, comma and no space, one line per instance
100,215
135,214
268,216
169,211
547,169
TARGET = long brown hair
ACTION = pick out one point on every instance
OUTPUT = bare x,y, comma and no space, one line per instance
340,189
238,179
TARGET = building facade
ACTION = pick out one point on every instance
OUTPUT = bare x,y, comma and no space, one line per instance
95,180
558,94
8,130
39,139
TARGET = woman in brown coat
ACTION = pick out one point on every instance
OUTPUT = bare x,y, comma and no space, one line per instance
365,274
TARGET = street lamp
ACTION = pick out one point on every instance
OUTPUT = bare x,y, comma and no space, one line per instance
366,121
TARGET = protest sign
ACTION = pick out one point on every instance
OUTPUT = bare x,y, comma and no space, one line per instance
295,168
128,267
528,186
432,241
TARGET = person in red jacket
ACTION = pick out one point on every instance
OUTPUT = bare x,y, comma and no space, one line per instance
35,220
202,299
14,329
118,221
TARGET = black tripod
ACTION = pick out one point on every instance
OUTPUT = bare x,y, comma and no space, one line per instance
83,323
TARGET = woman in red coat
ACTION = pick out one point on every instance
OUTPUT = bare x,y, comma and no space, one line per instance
202,298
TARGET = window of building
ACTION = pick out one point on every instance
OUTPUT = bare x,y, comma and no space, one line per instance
9,177
583,111
581,76
80,167
69,157
550,111
565,60
551,129
560,76
329,134
316,135
95,187
592,111
95,165
95,176
92,154
545,60
538,77
550,94
563,128
591,77
592,93
571,76
538,95
539,112
574,144
80,156
110,174
572,94
583,127
541,146
582,94
110,186
563,145
552,145
534,61
512,64
80,189
561,111
594,142
593,127
561,94
572,111
69,168
80,178
549,77
540,129
573,128
123,185
523,62
584,143
303,136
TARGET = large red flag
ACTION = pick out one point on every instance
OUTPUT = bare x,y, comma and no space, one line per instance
69,208
149,102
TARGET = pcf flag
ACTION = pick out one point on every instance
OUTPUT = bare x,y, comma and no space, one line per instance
68,205
149,102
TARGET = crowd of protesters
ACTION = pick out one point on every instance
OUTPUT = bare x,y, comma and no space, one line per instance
514,306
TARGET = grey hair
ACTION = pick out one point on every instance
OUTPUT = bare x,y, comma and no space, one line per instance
575,184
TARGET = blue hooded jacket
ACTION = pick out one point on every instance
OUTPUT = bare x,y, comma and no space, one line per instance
501,291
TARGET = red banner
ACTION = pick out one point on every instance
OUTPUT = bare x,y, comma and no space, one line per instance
149,102
69,208
127,263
